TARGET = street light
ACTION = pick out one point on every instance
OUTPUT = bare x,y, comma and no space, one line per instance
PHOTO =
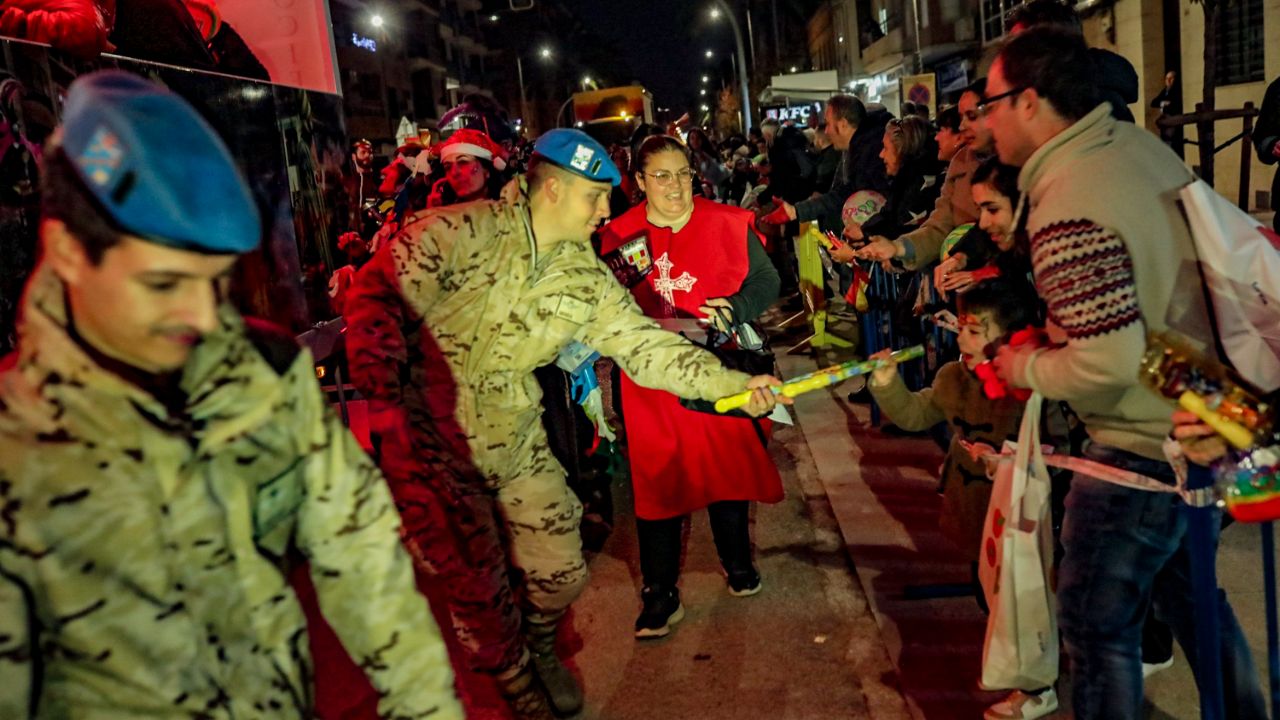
493,18
794,68
545,53
706,79
741,62
705,108
710,54
703,91
715,13
376,20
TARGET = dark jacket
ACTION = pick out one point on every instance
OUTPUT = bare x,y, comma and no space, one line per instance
1117,82
160,31
828,161
912,193
1266,134
860,169
791,171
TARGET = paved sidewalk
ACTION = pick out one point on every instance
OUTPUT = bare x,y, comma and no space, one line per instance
805,648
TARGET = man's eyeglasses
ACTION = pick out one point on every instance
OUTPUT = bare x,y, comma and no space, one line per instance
985,105
662,177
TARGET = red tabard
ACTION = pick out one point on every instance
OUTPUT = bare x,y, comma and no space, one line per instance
683,460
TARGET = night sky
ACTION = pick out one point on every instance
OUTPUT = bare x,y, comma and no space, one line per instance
663,41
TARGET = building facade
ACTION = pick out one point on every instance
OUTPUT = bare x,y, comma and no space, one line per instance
408,59
956,40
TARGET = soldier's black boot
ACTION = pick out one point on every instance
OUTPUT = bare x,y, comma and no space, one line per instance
525,695
562,688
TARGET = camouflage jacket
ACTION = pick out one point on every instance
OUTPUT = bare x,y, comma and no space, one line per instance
452,317
142,553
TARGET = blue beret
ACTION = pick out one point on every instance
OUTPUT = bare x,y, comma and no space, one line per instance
156,166
578,153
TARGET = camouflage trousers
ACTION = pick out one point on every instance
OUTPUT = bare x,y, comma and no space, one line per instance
500,546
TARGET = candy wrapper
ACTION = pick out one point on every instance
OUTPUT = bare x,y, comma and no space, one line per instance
1248,477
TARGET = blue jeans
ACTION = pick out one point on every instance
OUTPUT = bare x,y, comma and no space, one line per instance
1124,547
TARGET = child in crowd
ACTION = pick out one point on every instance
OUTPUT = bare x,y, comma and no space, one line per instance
995,250
989,312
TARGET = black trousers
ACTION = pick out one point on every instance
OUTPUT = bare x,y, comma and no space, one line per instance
661,542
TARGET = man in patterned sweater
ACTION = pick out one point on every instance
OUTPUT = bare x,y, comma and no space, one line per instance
1113,260
163,461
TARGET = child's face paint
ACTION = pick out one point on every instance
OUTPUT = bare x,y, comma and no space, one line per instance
977,330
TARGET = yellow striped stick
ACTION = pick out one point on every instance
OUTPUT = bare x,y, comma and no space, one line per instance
821,378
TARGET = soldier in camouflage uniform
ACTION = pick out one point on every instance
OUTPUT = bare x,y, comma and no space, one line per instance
163,461
446,326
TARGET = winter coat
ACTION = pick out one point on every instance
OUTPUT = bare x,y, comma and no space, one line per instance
956,398
791,170
861,169
1113,261
953,208
827,161
144,552
1117,82
912,194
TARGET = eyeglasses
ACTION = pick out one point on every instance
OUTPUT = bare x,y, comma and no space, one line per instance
984,106
662,177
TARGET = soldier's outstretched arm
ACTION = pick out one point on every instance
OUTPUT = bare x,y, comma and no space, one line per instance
16,649
349,529
651,356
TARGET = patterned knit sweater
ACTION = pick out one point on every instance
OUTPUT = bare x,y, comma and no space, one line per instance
1112,259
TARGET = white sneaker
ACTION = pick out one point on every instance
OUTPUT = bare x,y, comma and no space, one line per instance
1023,706
1149,669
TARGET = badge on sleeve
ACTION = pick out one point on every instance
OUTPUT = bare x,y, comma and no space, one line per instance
631,261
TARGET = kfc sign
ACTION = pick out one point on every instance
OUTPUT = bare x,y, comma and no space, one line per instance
798,114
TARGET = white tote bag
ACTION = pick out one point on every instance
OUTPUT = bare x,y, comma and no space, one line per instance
1240,260
1021,648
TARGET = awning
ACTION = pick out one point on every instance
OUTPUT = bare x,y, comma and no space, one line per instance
799,88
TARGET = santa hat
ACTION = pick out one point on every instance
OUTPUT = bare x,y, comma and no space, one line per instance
471,142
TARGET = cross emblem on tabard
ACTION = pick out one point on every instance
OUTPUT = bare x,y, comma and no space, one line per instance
665,285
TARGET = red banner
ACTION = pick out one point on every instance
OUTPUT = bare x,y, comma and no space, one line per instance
292,38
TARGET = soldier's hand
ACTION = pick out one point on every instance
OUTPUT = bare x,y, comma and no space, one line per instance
763,399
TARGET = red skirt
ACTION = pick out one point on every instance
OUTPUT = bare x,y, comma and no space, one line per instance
682,460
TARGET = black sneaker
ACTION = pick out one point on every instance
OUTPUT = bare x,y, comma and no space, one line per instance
745,583
662,609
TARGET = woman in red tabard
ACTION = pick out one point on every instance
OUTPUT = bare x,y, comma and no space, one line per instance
707,258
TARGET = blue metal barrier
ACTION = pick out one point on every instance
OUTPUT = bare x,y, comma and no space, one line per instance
1202,525
1273,633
